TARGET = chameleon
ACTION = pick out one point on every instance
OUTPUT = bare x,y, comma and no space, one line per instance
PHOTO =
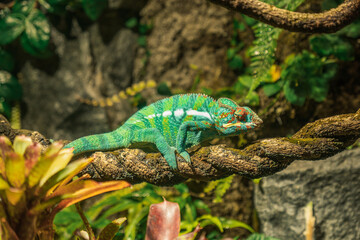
174,124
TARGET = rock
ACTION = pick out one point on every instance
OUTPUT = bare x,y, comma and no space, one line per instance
333,185
84,66
185,34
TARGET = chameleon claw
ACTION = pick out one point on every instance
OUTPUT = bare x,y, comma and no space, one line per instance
171,159
186,156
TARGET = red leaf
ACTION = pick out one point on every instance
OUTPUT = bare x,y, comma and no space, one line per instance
79,190
32,155
163,221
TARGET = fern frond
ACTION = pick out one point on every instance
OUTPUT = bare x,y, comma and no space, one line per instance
264,46
219,187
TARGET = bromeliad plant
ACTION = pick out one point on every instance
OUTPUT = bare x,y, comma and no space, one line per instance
34,186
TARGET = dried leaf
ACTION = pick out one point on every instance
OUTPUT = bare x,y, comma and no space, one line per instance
111,229
14,195
5,148
8,232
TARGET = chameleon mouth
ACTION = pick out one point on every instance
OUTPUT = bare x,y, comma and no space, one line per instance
254,124
227,125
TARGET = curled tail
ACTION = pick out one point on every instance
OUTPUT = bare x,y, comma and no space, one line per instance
100,142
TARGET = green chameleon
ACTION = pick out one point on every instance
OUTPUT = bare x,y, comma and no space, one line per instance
174,124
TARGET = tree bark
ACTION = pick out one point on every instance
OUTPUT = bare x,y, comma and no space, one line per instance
327,22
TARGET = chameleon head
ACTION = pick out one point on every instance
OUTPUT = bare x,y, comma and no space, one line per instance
230,118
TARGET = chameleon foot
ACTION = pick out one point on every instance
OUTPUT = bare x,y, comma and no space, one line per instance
186,156
170,158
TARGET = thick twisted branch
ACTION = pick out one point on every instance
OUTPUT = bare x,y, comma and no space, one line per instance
317,140
326,22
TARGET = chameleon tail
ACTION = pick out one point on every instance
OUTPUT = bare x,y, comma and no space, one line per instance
99,142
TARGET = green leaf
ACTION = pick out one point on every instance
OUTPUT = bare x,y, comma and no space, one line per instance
125,204
10,89
199,204
236,63
230,53
230,223
343,50
306,75
131,22
135,216
59,163
21,143
163,89
211,220
7,61
252,98
238,25
321,45
11,27
142,41
5,108
42,166
55,6
3,184
258,236
37,30
23,6
271,89
246,80
294,93
222,187
15,169
329,4
353,30
326,45
94,8
144,28
29,48
249,20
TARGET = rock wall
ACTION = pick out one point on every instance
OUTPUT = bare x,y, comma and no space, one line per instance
333,185
186,33
95,60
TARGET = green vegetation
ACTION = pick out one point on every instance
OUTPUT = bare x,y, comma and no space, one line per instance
134,203
303,76
35,186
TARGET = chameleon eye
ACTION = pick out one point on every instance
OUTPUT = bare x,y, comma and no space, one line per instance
241,117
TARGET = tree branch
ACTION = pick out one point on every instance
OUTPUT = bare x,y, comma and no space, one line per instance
327,22
317,140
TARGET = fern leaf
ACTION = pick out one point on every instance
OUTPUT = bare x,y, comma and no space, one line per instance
263,52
